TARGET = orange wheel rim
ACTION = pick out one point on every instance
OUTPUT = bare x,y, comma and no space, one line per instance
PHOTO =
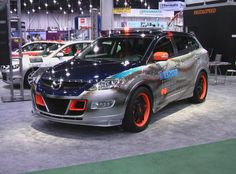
203,86
141,111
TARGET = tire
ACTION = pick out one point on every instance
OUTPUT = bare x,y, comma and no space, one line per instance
200,89
27,77
138,111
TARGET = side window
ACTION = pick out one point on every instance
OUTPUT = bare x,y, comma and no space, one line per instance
182,45
164,45
193,43
67,51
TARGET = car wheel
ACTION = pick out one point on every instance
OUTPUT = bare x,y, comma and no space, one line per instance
201,87
28,79
138,111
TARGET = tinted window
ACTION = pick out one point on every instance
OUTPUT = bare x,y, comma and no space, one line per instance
193,43
117,49
182,44
165,45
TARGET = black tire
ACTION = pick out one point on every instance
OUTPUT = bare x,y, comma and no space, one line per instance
137,115
201,88
27,76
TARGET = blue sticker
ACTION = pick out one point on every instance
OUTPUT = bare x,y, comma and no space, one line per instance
168,74
126,73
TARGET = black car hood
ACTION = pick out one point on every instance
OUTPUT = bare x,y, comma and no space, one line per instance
87,70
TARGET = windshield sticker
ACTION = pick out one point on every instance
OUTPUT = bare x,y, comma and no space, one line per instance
168,74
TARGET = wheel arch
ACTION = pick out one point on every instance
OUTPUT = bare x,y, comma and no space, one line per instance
137,86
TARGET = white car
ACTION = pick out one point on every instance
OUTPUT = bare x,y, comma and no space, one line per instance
47,59
37,48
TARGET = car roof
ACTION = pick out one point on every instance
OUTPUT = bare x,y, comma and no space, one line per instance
153,32
75,42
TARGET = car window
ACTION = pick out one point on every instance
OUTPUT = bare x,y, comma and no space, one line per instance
193,43
27,47
117,49
69,50
164,45
182,45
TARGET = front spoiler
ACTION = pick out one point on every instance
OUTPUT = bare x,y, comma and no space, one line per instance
104,121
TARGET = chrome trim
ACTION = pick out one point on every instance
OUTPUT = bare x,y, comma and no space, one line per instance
56,115
68,107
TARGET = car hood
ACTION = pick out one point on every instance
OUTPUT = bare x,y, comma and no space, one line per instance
87,70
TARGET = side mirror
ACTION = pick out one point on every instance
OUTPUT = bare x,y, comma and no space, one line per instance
60,54
161,56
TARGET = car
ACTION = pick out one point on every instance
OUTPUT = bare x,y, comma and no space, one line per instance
36,48
53,55
123,79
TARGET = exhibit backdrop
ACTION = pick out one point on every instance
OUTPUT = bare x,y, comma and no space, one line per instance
4,34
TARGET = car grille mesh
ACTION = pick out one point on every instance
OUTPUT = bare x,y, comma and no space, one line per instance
65,85
57,106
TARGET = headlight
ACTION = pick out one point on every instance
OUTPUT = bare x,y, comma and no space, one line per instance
107,84
15,66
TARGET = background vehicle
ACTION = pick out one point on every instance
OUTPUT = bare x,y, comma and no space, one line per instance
36,48
51,56
123,79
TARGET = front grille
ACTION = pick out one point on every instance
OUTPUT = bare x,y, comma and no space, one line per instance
57,106
65,85
4,76
60,106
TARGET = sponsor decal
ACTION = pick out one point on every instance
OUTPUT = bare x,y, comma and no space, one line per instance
126,73
164,91
205,11
168,74
36,60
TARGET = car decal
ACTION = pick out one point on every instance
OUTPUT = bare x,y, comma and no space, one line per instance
127,73
169,74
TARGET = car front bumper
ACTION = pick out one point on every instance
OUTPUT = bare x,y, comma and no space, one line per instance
7,79
103,117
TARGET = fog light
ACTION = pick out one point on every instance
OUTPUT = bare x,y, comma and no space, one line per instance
77,105
103,104
39,100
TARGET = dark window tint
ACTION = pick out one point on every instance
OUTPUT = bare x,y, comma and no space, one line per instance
164,45
182,44
193,43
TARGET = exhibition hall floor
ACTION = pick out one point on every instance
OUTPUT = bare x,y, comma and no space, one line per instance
29,144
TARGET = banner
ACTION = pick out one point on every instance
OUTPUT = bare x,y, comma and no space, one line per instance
121,10
4,34
172,6
148,13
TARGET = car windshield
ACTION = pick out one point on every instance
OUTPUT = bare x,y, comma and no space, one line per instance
51,48
117,49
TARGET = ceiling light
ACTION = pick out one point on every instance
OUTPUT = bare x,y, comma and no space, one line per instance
61,8
39,7
25,4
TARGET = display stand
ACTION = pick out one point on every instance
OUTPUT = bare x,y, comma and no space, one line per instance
14,97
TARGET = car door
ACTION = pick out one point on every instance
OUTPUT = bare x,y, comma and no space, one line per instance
168,72
186,61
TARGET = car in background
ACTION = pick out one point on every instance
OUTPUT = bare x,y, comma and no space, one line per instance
36,48
50,57
122,79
